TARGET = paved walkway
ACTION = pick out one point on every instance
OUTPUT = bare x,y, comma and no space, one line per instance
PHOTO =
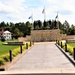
42,56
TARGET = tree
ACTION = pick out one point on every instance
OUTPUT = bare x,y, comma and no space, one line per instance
66,27
61,27
37,27
72,30
17,33
28,28
50,24
2,25
39,24
53,24
44,24
34,24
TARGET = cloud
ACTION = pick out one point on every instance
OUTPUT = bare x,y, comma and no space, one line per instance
64,7
20,10
12,9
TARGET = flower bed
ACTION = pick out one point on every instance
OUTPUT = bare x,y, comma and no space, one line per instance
69,47
4,58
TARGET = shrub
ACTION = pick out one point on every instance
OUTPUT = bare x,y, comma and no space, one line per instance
6,57
70,50
16,52
2,39
23,47
2,61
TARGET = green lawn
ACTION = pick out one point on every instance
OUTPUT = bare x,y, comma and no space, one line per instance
70,47
5,48
4,51
72,44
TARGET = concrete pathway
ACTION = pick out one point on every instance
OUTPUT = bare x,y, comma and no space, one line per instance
42,56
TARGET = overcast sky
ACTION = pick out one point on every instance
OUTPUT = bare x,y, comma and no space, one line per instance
20,10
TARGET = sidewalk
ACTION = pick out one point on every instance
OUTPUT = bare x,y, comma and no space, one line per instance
42,56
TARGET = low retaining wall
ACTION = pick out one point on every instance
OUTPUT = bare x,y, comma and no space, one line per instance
24,39
68,37
46,35
70,40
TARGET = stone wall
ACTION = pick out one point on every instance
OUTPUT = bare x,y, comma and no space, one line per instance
24,39
68,37
45,35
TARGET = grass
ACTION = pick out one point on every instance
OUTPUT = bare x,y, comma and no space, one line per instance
70,47
72,44
4,52
5,48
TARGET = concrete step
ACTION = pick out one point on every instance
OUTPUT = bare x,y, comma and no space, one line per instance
40,72
43,74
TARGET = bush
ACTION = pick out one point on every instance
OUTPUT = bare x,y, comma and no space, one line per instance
70,49
6,57
16,52
23,47
2,39
2,62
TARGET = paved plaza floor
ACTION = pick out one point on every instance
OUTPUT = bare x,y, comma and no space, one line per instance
42,56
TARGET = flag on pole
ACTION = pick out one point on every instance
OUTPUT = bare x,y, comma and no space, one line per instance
56,16
43,11
30,17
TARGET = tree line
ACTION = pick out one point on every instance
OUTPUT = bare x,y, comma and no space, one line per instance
65,28
22,29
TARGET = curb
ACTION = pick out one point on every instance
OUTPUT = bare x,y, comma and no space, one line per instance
66,54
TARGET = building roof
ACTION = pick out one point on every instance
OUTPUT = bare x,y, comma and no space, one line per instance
7,32
1,32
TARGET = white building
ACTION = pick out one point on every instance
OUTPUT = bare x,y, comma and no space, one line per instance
7,35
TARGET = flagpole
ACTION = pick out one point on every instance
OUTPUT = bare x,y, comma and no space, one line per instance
31,17
57,19
44,12
32,22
